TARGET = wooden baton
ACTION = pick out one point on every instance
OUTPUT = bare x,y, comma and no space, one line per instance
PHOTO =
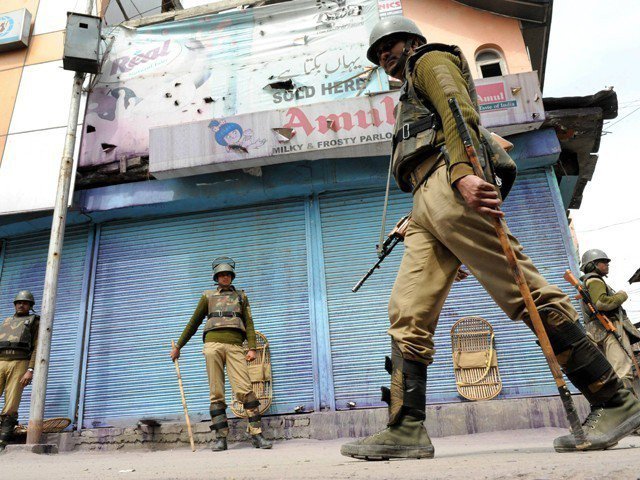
184,400
499,224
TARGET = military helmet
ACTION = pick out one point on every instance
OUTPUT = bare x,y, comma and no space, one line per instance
25,296
388,26
590,257
223,264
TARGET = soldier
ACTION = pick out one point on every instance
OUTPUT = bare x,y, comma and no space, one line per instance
229,323
595,265
451,224
18,340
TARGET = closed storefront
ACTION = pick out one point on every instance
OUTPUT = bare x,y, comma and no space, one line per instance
149,278
22,267
358,321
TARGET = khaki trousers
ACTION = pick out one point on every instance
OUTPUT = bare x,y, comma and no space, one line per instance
444,232
219,355
11,371
617,357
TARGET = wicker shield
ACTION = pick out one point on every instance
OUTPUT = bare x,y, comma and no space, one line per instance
260,374
475,360
51,425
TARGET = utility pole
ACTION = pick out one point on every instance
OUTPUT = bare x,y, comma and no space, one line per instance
41,370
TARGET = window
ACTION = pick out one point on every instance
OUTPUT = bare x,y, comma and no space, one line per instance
490,63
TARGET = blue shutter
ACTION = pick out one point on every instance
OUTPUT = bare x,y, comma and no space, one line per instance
358,321
25,261
150,276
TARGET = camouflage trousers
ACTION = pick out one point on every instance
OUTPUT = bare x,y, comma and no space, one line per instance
444,232
221,355
11,371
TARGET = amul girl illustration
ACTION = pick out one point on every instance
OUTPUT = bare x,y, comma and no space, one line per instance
233,137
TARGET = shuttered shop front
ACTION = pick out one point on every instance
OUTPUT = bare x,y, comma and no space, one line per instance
358,321
149,278
25,261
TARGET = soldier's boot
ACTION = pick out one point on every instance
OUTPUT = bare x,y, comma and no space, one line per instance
252,407
258,441
405,435
219,425
220,444
7,426
615,412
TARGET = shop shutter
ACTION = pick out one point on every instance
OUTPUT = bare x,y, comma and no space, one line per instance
358,321
150,276
25,261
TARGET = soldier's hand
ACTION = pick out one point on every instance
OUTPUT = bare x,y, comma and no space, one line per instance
26,378
480,195
251,355
175,353
461,274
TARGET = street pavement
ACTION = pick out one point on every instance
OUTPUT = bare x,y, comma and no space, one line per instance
516,454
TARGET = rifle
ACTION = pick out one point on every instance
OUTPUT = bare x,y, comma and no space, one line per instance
395,236
499,225
583,294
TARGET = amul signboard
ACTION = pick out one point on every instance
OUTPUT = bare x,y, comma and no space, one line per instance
304,132
14,29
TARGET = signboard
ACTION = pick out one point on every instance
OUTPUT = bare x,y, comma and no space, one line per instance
389,7
276,136
510,104
217,66
14,29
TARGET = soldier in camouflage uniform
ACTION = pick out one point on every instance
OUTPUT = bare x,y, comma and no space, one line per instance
18,340
450,225
229,323
595,265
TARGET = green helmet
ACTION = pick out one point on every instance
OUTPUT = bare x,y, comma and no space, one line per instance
25,296
223,264
590,257
388,26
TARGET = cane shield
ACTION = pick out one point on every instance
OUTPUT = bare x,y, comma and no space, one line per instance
260,374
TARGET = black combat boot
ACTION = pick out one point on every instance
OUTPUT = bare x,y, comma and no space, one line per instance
405,435
615,412
219,425
7,425
220,444
258,441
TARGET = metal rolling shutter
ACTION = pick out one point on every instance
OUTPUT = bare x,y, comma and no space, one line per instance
150,276
358,322
25,261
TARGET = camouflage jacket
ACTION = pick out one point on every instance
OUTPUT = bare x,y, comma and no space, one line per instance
19,337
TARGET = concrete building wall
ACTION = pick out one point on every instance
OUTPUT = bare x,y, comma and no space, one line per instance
446,21
34,104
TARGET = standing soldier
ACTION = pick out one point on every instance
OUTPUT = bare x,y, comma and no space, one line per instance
595,265
451,224
229,323
18,340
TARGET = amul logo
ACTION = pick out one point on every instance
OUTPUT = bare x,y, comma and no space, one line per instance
6,25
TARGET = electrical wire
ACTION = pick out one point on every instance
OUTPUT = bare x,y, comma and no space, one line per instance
627,115
610,225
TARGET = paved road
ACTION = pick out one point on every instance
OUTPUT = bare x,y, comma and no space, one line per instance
518,454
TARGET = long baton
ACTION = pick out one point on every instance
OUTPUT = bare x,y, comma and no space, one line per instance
184,400
499,225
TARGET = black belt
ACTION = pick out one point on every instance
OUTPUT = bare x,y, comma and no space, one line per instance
409,130
224,314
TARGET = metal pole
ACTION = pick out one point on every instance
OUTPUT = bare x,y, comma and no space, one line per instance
41,370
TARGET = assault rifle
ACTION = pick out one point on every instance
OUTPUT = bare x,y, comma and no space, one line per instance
395,236
583,294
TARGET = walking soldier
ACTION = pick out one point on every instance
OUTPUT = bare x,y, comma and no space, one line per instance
451,224
595,265
18,340
228,324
